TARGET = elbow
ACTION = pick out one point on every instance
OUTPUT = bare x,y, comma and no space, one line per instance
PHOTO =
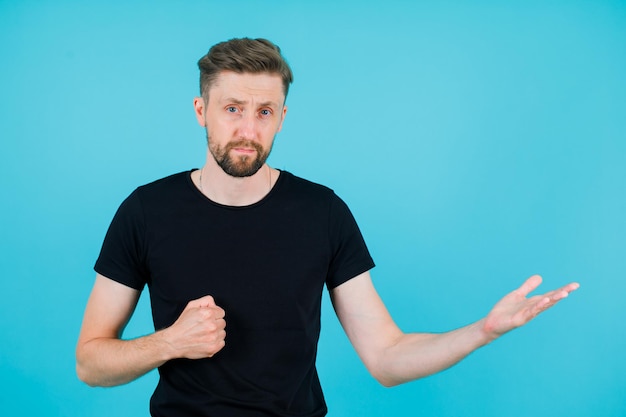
386,381
384,377
89,378
81,370
389,376
85,373
84,376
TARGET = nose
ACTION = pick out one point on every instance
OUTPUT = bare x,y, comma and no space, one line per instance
248,128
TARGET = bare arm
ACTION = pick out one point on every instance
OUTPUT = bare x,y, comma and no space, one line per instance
394,357
104,359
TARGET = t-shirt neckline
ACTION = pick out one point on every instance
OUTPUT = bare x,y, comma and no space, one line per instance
266,197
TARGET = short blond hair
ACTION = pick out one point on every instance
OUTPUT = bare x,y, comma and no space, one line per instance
243,55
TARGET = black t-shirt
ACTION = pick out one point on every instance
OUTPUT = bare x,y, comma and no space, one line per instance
264,264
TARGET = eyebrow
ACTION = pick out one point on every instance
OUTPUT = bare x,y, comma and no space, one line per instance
263,104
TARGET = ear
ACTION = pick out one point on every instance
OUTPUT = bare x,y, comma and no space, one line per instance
282,119
199,109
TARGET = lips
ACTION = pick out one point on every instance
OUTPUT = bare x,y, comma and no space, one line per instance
245,150
244,146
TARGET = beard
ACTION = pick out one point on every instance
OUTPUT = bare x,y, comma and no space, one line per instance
240,166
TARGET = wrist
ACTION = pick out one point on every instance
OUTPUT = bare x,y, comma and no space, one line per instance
163,347
487,333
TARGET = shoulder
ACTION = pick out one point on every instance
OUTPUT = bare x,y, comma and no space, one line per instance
164,189
158,193
171,181
295,184
310,197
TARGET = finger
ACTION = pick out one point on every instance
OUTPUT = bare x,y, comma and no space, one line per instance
218,346
221,324
573,286
529,285
565,291
551,298
544,303
211,313
206,301
562,292
218,313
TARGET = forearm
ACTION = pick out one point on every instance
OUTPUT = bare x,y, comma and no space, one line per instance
110,361
416,355
394,357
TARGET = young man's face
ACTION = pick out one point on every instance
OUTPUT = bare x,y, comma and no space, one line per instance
243,114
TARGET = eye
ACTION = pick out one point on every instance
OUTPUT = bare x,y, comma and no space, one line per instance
265,112
231,109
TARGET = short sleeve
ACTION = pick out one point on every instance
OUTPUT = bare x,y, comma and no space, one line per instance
122,257
350,256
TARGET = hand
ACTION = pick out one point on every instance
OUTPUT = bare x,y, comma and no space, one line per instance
515,310
199,330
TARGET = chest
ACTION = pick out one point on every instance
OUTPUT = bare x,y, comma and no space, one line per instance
270,264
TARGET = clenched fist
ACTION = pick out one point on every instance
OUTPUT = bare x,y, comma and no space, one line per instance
199,330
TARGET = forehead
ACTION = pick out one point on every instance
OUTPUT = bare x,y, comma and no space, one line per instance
248,86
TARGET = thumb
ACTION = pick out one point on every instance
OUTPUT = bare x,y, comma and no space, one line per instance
530,285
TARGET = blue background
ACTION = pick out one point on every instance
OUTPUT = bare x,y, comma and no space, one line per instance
477,143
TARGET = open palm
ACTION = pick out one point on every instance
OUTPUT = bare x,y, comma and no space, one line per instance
517,309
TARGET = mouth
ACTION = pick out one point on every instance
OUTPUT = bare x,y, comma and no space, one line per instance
246,151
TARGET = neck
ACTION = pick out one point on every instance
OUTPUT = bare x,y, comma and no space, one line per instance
224,189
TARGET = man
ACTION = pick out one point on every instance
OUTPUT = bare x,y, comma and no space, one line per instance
236,255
